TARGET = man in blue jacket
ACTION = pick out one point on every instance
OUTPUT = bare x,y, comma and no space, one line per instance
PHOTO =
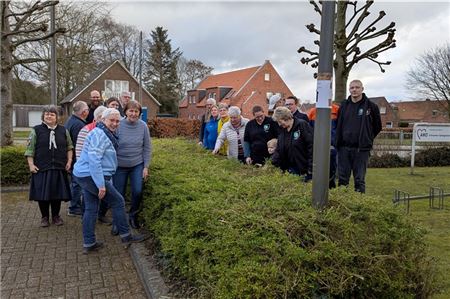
74,124
358,124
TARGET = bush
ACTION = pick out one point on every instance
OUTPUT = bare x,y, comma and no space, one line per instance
174,127
14,166
433,157
388,161
235,231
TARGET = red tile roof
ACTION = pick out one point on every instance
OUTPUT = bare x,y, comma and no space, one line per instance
234,79
421,111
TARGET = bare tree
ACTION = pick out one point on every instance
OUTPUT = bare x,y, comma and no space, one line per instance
430,76
191,72
21,24
351,29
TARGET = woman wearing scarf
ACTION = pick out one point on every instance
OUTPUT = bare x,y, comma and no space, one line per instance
94,169
49,155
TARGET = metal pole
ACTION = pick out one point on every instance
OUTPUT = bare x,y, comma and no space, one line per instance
140,67
53,57
322,136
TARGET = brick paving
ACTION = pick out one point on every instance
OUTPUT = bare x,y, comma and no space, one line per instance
48,262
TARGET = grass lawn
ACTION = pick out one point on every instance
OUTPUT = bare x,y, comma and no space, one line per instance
383,181
21,134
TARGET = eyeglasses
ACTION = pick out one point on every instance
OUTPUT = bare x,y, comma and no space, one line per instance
289,104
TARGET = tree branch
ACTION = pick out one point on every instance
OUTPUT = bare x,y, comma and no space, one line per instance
360,19
355,12
36,7
316,7
43,28
303,49
27,40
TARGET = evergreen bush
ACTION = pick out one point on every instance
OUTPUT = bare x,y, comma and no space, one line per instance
14,166
235,231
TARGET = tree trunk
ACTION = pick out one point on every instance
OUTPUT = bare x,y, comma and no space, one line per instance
6,69
340,61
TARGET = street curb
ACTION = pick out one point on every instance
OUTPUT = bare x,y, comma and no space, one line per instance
9,189
151,279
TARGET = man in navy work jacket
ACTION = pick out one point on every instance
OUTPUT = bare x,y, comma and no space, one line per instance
358,124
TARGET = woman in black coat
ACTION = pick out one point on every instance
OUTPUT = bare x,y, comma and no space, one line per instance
49,155
295,144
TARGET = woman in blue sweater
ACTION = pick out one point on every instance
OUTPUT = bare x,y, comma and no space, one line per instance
210,134
133,155
93,171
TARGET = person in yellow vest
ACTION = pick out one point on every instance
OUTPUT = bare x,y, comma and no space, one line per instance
224,117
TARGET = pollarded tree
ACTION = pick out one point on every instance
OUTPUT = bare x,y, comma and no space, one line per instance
430,76
161,77
21,23
351,29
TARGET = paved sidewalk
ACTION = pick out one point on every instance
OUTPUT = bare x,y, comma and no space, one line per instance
48,262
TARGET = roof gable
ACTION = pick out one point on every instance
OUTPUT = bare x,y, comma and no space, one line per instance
94,76
233,79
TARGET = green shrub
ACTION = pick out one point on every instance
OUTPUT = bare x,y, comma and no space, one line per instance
388,161
433,157
14,166
235,231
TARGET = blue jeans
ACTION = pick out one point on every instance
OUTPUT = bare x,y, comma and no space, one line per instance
115,201
351,160
120,182
76,204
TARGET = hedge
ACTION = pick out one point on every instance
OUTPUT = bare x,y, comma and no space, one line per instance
431,157
174,127
14,166
235,231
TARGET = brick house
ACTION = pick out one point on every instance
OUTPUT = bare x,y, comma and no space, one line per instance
243,88
110,81
410,112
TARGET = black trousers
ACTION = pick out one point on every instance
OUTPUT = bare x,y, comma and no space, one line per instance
44,206
351,160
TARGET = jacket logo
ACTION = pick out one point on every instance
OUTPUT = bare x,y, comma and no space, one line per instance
360,112
266,128
368,112
296,135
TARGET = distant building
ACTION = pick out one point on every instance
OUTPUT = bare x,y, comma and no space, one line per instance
243,88
411,112
111,80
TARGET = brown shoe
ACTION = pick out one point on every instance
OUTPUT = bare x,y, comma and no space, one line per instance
56,220
44,222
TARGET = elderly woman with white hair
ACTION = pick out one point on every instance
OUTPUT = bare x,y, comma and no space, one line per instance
233,132
295,144
93,171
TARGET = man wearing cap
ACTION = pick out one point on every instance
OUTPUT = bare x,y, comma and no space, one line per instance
292,104
95,102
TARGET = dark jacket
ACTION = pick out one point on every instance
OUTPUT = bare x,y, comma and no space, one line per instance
295,148
301,115
257,136
370,125
54,158
74,125
202,128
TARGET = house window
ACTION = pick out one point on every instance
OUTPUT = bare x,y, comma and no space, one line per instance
115,87
382,110
266,77
212,95
389,124
191,99
434,112
269,94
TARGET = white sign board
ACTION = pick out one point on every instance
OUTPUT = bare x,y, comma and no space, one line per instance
428,132
324,93
432,132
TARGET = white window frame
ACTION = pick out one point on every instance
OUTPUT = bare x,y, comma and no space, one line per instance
116,86
267,77
382,110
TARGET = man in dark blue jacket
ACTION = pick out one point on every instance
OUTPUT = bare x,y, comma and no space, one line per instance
74,124
292,104
358,124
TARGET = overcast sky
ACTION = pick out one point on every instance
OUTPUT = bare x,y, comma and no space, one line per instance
232,35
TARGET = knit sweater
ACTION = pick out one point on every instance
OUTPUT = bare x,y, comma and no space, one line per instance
135,145
229,133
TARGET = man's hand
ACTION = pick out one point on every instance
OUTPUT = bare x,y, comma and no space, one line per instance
101,193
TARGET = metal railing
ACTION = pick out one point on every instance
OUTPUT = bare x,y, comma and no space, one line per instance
435,194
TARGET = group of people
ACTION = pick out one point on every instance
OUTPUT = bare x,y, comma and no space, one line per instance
286,136
88,162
